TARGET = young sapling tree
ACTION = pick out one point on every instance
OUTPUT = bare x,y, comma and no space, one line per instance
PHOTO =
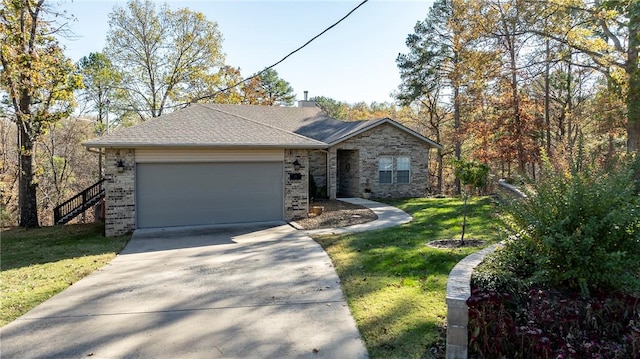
472,175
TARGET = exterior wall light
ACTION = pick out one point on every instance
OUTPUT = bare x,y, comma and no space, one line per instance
120,166
296,165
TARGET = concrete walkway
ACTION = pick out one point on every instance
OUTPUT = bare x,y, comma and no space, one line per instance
262,291
388,216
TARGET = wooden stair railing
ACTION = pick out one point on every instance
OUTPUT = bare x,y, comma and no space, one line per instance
78,203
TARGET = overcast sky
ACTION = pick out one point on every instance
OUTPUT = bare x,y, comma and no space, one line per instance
355,61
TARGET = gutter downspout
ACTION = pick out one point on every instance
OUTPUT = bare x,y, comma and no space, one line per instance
100,151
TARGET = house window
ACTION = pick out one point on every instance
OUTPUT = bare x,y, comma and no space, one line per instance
385,170
403,165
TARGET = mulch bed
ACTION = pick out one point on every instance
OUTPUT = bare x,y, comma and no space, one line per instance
455,243
336,214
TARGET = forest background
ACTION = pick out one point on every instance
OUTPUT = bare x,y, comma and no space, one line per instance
501,82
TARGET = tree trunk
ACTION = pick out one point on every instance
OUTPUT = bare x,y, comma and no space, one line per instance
533,170
547,115
517,128
464,219
633,93
439,172
517,119
27,193
570,141
456,124
633,133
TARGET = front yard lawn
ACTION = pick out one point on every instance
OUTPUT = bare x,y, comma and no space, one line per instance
396,285
36,264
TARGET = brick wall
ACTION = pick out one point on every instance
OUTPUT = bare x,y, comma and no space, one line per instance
119,192
296,191
384,140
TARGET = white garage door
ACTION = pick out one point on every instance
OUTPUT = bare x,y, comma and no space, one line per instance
186,194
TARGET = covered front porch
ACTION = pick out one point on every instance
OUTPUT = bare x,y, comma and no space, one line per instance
335,173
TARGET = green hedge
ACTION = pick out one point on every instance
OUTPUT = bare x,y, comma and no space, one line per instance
579,230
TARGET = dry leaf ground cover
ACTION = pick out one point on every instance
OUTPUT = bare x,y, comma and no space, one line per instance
336,214
38,263
396,285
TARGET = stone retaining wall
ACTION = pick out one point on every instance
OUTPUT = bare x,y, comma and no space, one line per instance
458,291
510,189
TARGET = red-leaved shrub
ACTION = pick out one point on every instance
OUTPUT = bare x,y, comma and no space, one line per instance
549,324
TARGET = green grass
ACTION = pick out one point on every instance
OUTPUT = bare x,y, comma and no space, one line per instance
396,285
36,264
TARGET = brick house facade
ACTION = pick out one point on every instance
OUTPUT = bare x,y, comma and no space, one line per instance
362,160
274,151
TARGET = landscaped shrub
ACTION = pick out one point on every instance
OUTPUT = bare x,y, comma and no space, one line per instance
567,284
578,231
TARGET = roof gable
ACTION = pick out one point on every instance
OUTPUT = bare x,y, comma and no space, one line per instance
362,126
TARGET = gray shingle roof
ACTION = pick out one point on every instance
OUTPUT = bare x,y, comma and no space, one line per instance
197,125
310,122
220,125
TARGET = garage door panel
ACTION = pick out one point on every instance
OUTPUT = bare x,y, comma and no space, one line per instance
181,194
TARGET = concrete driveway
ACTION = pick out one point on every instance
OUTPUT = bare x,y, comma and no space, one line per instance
259,291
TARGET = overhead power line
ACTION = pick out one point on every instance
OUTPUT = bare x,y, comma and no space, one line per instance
281,60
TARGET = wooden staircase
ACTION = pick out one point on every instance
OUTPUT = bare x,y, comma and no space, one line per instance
79,203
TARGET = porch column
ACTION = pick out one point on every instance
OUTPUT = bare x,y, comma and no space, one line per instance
332,169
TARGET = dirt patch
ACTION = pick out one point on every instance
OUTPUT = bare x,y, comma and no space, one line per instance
336,214
455,243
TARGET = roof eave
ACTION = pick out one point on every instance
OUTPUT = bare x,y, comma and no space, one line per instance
313,146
